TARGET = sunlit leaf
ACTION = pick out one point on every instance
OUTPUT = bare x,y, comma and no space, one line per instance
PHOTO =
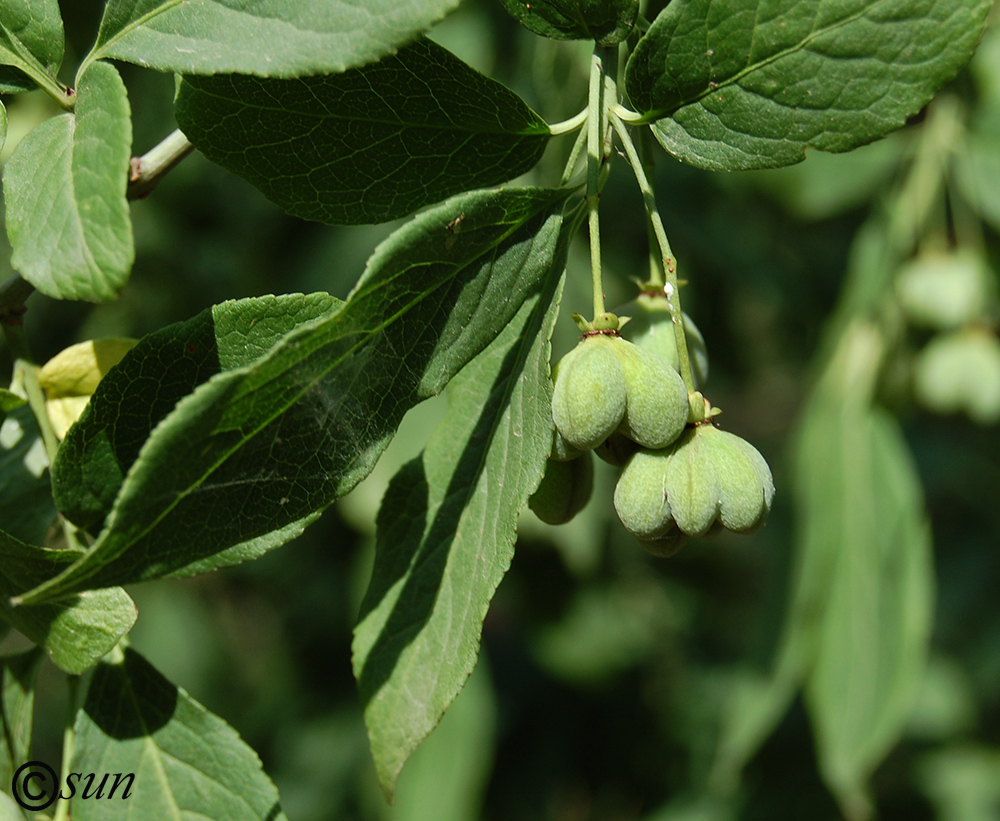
186,762
67,216
743,84
259,447
446,534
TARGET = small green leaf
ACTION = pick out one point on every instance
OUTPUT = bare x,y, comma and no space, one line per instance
3,125
26,508
31,42
75,632
446,534
67,217
186,762
285,39
743,84
17,703
606,21
368,145
257,448
148,383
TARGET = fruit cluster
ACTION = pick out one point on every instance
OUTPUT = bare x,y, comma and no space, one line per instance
959,369
624,399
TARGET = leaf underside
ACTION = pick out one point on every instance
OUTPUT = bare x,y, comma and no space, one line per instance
283,39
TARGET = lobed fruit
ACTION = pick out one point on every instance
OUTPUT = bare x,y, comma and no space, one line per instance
588,400
606,384
944,290
651,327
707,478
960,372
564,491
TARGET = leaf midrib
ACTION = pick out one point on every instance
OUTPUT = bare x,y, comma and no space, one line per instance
399,124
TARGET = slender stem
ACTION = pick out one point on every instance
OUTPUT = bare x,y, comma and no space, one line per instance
595,155
627,115
669,263
572,124
13,293
647,156
574,156
149,169
69,737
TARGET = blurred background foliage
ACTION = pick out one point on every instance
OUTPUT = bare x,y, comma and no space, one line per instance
605,672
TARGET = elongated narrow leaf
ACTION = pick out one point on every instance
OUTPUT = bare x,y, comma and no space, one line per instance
743,84
17,703
67,217
3,125
257,448
873,636
446,534
285,39
31,42
184,761
148,383
26,508
368,145
75,632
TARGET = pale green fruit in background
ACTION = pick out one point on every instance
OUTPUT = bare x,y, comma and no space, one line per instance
651,328
707,478
588,400
960,373
70,377
944,290
565,490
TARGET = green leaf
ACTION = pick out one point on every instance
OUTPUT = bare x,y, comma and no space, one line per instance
875,628
31,42
446,534
9,809
445,780
977,170
257,448
606,21
187,762
67,217
17,704
3,125
368,145
75,632
743,84
163,368
26,507
285,39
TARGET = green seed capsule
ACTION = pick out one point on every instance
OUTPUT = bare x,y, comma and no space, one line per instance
656,408
944,290
651,327
565,490
706,479
588,400
960,372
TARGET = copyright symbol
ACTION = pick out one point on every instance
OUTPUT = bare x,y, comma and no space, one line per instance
28,788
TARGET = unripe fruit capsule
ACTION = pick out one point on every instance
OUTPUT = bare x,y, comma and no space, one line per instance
564,491
707,478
